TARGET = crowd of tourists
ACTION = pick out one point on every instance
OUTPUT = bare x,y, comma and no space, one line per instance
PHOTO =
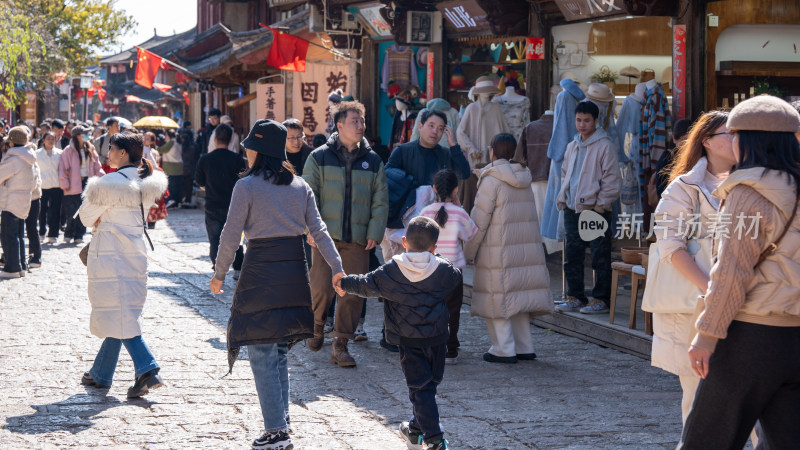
305,229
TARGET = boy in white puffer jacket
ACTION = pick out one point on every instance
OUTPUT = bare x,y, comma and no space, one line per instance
16,184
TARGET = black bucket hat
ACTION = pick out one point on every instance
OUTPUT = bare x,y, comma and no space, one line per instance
267,137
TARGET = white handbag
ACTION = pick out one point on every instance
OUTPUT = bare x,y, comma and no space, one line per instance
667,290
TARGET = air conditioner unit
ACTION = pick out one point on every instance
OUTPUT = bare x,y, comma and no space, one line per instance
316,22
423,27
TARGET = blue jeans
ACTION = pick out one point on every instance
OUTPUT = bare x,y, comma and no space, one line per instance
105,363
271,374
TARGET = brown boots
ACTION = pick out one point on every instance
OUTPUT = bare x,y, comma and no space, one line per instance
315,344
340,355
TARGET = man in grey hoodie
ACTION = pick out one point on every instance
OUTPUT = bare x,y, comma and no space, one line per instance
590,180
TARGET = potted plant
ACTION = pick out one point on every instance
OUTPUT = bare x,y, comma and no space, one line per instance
606,76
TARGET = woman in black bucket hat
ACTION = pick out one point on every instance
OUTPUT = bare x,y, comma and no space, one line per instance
272,303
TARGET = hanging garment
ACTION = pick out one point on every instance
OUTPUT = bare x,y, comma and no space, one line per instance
401,129
399,67
516,112
628,127
564,130
655,120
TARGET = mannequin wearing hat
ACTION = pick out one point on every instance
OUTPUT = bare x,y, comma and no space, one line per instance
602,96
564,131
516,109
482,121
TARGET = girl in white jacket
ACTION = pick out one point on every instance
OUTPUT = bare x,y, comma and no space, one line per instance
117,261
702,163
16,184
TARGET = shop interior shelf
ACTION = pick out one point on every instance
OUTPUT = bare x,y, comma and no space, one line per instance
759,68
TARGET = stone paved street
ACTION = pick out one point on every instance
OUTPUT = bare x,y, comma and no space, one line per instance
576,395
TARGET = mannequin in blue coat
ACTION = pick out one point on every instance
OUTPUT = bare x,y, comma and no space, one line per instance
564,131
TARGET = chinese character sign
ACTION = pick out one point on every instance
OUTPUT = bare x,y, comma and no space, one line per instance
463,15
679,71
310,94
271,101
534,48
429,76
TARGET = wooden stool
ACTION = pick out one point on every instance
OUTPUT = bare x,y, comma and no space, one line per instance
623,269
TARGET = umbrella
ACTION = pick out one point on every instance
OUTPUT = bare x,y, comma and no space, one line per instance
123,122
155,122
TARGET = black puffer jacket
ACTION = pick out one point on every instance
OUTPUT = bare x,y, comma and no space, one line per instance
415,312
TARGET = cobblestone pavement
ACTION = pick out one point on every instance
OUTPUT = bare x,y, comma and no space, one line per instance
576,395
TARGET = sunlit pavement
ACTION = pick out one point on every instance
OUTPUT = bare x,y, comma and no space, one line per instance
576,395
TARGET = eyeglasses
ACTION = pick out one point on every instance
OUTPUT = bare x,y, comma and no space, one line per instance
298,138
725,133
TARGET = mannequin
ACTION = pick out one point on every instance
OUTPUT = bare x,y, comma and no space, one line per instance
516,110
628,126
532,152
564,131
482,120
439,104
402,123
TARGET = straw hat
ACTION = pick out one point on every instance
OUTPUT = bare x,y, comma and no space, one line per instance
422,57
600,93
485,85
18,135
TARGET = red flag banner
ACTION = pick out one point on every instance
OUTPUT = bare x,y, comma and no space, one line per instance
287,52
147,66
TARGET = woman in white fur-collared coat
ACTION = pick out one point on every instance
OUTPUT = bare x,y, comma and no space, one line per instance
117,261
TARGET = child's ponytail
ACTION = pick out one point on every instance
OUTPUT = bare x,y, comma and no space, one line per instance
445,181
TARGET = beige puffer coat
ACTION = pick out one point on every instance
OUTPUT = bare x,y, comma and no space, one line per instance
511,276
687,198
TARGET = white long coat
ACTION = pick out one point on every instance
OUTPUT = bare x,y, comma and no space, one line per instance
117,260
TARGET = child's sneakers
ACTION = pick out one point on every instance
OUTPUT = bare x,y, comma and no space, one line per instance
438,445
595,306
278,440
573,304
413,439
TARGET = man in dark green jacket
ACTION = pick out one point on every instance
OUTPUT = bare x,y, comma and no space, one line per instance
349,184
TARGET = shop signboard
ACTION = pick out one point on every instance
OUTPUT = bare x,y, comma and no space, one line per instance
463,15
534,48
678,72
429,77
29,110
271,101
586,9
369,16
310,94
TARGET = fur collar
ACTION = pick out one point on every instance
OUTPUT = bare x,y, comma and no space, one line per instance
114,189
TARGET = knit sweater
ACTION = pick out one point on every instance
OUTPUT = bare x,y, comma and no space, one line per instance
766,294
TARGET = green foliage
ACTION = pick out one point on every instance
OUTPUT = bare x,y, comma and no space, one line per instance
764,86
42,37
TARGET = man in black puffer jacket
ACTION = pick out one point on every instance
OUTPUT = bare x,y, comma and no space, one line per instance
414,286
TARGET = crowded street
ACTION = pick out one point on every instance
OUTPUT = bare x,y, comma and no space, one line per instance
399,224
575,395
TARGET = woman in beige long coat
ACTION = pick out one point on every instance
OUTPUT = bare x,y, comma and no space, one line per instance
511,279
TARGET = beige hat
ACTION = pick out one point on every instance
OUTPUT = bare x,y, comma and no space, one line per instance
18,135
569,75
630,71
764,113
485,85
600,92
226,119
